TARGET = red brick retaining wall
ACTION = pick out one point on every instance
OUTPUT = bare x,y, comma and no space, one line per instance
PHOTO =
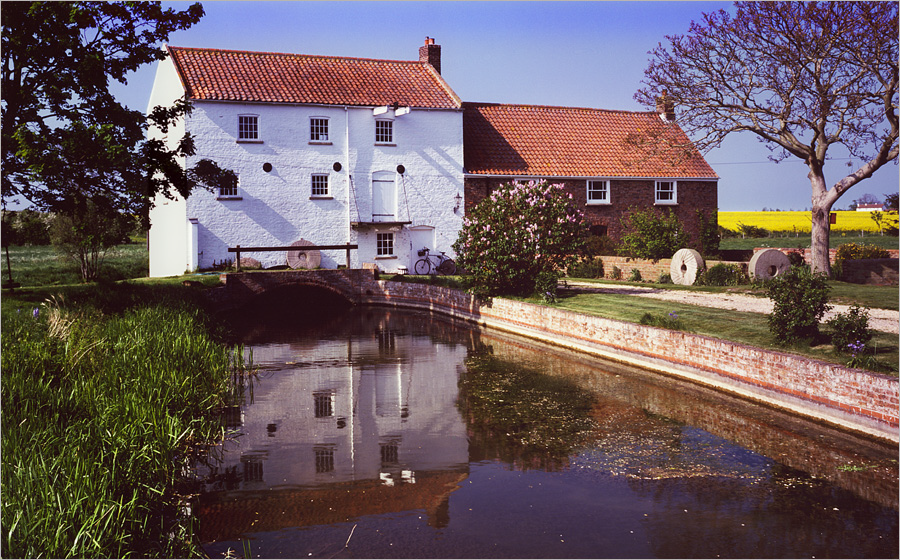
858,400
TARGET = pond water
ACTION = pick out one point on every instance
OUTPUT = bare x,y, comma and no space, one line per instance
397,434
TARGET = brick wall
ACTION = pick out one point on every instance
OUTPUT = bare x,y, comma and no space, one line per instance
624,195
861,401
650,270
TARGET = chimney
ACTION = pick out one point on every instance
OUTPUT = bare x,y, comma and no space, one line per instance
431,54
665,107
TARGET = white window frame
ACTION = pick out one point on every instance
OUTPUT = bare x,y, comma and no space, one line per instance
665,201
244,128
384,245
605,198
316,134
313,186
230,193
382,125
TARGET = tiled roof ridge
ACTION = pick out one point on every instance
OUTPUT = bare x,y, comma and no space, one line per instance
555,107
301,55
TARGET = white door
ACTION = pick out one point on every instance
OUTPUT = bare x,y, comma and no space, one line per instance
420,237
384,197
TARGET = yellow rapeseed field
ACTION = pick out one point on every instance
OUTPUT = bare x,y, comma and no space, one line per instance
796,221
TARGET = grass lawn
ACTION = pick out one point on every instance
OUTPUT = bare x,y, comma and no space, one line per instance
751,329
43,265
804,241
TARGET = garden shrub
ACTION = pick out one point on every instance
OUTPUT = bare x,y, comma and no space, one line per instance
722,275
854,251
587,267
753,231
520,239
850,331
709,233
635,275
796,258
665,278
650,234
801,298
670,321
616,273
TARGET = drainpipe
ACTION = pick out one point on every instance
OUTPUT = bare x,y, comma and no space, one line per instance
349,176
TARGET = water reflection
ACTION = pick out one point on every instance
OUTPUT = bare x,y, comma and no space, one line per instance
396,434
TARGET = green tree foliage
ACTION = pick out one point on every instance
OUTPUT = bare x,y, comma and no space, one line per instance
520,239
650,234
709,233
801,299
65,138
86,232
801,76
26,227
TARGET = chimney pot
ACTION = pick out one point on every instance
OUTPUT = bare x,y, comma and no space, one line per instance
665,107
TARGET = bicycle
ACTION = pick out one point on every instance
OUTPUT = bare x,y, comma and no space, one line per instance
431,264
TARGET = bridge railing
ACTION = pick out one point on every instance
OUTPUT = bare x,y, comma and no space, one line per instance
238,250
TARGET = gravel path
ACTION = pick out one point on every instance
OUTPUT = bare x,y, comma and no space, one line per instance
879,319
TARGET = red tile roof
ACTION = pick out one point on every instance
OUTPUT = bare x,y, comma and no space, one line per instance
575,142
225,75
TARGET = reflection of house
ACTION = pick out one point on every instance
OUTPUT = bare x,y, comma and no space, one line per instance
327,149
610,161
338,417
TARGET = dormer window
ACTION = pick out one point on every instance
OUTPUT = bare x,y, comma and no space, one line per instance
384,131
318,129
248,128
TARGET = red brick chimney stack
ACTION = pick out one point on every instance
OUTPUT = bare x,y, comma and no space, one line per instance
665,106
431,54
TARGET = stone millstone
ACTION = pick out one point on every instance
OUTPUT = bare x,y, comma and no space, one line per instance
768,264
297,258
686,263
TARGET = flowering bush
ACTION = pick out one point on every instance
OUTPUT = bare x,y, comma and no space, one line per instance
850,331
520,239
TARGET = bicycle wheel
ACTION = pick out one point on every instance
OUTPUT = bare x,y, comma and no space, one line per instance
423,266
448,267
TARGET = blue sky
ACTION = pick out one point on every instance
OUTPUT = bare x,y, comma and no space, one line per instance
584,54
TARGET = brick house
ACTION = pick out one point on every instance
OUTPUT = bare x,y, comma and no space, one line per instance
330,150
610,161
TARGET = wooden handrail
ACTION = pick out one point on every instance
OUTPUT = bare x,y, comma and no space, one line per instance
238,250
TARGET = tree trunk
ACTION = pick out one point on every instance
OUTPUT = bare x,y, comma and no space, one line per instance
822,201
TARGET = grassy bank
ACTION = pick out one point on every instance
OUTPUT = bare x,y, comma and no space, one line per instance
104,389
804,241
751,329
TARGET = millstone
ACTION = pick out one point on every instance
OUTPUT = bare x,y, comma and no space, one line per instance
768,264
686,263
298,258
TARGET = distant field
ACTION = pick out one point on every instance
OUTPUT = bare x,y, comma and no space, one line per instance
799,222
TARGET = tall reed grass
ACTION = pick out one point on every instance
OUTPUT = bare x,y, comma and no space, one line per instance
101,406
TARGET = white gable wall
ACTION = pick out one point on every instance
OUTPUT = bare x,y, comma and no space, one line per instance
169,236
276,208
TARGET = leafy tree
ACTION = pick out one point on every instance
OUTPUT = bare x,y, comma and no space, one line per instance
520,239
802,76
66,141
650,234
86,232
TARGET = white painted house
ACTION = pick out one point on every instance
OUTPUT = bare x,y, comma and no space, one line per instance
330,150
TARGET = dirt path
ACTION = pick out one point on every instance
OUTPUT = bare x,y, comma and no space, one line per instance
879,319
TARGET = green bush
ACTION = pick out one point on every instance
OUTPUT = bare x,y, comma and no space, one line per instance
709,233
722,275
801,298
587,267
753,231
850,331
635,275
650,234
665,278
616,273
670,321
520,239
